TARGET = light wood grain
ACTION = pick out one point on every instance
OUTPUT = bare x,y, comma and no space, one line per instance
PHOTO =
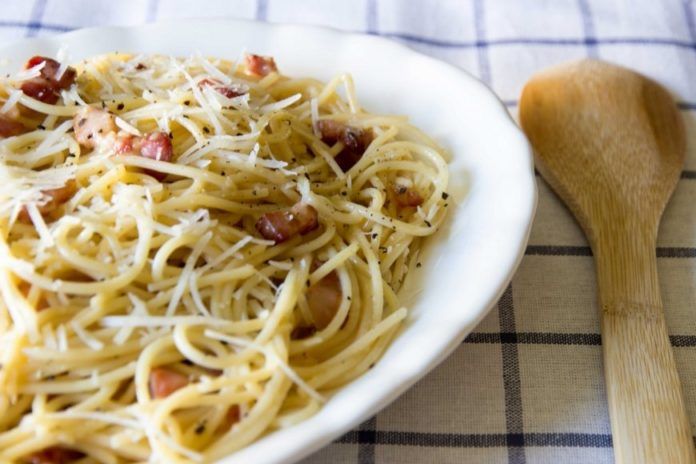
611,143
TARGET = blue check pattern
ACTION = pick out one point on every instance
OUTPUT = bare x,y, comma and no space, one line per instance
527,385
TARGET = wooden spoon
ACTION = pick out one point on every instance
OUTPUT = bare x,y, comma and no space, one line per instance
611,143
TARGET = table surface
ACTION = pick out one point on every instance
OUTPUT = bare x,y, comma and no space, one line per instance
527,385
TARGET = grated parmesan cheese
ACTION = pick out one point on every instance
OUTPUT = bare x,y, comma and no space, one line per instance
11,101
282,104
120,122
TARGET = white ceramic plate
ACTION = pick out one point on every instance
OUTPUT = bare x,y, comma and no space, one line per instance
471,259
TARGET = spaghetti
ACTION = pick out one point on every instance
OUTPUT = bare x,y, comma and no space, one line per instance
194,252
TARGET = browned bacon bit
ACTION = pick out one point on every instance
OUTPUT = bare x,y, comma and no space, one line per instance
164,382
54,455
280,226
232,416
157,146
56,197
94,126
219,87
125,144
355,141
323,299
258,65
405,197
9,127
91,125
302,331
47,86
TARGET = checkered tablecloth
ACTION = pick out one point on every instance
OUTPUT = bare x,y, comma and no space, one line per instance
527,385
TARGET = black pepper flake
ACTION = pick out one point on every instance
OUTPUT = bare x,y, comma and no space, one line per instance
171,136
374,235
371,366
81,122
120,106
418,264
89,136
140,67
103,104
187,102
348,298
206,129
200,429
445,195
41,127
427,223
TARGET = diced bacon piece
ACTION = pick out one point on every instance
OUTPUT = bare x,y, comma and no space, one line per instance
280,226
164,382
92,125
35,61
355,141
302,331
56,197
405,196
97,128
260,66
157,146
126,144
226,90
50,72
40,89
47,86
323,299
54,455
305,217
331,131
233,415
9,127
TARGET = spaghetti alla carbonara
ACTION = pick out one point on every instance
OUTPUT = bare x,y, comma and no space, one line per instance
194,252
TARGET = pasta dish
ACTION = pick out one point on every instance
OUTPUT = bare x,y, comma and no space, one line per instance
195,252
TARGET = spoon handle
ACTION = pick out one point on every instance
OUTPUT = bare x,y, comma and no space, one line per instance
646,406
